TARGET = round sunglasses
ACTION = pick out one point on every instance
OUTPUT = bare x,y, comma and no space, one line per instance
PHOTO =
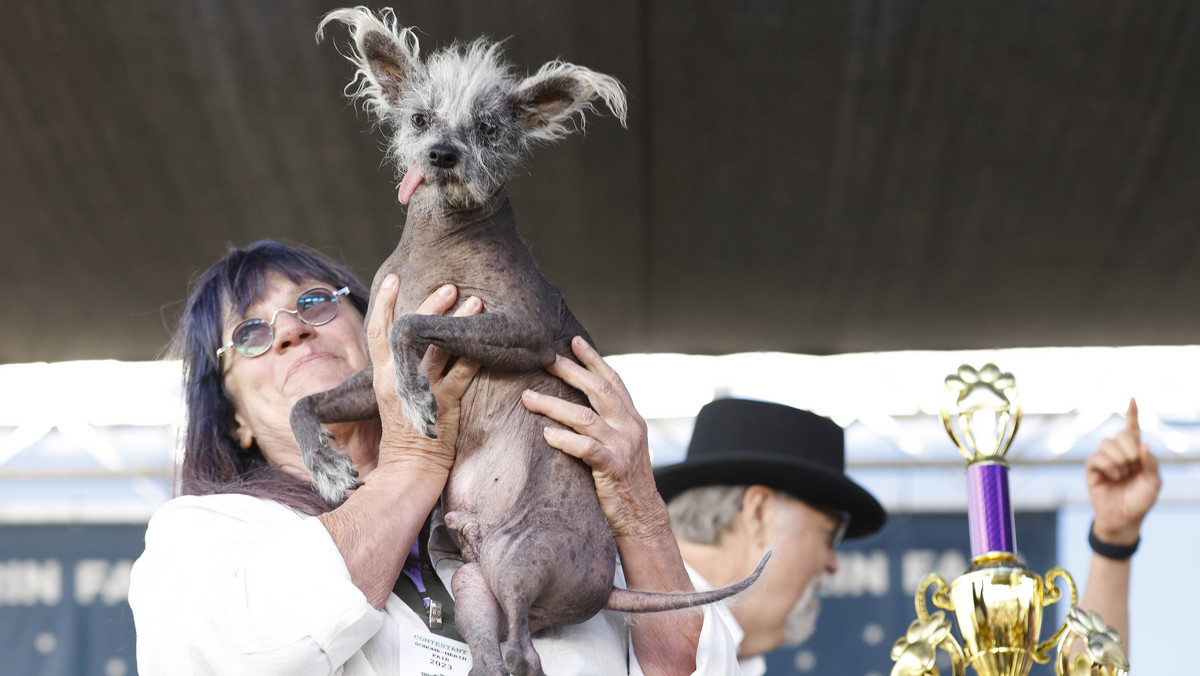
255,336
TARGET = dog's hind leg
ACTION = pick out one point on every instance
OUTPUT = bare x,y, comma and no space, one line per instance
477,617
520,658
332,471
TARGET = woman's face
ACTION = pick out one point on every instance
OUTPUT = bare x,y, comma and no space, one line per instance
302,360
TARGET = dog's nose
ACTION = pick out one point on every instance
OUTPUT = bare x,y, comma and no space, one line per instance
443,157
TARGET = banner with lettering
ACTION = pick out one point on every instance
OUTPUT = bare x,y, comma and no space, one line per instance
868,604
64,599
64,606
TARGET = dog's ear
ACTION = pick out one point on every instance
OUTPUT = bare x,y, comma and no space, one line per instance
390,64
387,56
544,103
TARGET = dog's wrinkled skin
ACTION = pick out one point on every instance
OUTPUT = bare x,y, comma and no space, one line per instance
537,546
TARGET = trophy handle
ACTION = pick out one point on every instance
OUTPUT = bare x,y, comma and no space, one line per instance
1101,653
1053,593
914,654
958,661
941,596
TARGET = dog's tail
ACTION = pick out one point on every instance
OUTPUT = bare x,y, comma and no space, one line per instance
634,601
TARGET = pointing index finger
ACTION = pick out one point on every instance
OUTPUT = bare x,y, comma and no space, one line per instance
1131,417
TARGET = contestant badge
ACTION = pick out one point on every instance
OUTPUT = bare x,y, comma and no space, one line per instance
423,654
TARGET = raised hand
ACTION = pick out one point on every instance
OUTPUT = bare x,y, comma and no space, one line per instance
1123,482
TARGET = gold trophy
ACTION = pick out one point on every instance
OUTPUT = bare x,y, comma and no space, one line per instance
998,603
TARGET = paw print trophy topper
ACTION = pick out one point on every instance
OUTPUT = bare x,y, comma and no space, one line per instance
981,413
985,406
997,603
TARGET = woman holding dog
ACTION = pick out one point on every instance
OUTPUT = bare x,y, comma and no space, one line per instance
250,572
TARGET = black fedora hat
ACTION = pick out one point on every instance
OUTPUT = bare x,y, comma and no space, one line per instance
739,441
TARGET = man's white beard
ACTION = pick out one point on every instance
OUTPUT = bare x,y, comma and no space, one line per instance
802,620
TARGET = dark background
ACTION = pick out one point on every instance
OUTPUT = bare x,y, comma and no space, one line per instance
811,177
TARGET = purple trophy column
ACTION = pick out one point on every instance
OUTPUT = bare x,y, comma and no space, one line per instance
990,510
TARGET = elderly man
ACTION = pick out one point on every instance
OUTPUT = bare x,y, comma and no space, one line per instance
757,475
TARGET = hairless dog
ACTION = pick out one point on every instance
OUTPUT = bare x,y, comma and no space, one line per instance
537,546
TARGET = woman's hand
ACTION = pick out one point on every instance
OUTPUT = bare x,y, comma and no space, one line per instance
611,438
401,440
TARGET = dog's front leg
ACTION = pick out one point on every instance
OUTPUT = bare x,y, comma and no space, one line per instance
332,471
493,339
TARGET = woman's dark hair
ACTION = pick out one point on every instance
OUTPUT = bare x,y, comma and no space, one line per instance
212,461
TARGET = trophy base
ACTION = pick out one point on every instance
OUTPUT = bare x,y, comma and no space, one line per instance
1003,662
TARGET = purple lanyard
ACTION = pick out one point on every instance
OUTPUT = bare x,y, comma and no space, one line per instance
412,568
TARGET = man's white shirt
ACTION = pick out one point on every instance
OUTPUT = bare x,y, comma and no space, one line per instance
751,666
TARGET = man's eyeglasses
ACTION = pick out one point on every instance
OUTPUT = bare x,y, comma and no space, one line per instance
839,533
255,336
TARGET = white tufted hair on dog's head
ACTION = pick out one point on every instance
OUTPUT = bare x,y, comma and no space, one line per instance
467,98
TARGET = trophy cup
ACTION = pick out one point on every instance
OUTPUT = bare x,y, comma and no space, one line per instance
998,603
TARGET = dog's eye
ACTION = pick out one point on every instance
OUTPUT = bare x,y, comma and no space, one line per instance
487,129
420,120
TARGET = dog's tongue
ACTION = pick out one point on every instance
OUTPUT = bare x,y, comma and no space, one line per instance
412,179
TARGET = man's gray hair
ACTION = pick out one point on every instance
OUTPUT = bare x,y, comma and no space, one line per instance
702,515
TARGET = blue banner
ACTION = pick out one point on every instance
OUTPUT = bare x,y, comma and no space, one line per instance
64,590
64,608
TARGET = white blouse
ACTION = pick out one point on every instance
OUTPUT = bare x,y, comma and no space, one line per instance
231,584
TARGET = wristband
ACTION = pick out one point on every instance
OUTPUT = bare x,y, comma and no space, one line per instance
1108,550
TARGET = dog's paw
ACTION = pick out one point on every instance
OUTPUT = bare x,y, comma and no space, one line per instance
332,472
419,404
520,659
